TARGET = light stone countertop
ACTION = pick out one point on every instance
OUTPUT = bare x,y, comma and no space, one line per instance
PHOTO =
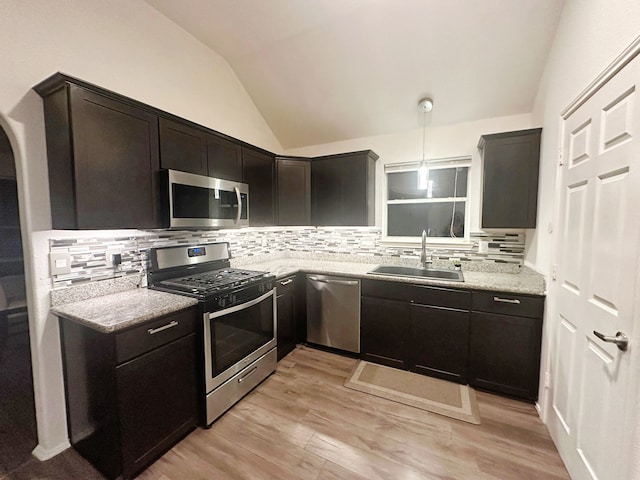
117,311
527,281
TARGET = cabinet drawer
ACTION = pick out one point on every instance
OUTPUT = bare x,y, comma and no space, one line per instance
508,304
437,296
153,334
285,285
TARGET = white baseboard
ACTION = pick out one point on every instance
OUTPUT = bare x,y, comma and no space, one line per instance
43,454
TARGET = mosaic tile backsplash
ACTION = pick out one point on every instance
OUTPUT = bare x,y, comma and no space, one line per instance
89,262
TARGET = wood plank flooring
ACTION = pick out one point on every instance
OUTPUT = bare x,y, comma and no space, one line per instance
302,423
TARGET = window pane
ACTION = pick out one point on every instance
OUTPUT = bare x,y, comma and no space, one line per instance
408,220
404,185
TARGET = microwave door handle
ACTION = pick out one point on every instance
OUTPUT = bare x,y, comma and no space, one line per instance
239,197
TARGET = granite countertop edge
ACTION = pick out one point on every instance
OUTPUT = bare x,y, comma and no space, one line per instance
526,282
115,312
118,311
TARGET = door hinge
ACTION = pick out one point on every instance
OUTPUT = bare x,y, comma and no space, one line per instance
547,380
560,156
554,272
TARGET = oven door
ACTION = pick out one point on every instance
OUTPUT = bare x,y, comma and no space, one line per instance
236,336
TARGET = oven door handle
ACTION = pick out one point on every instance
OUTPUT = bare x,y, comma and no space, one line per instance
242,306
239,197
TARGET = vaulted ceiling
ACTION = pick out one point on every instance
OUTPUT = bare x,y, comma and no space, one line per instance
321,71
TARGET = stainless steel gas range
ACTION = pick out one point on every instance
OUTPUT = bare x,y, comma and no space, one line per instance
238,309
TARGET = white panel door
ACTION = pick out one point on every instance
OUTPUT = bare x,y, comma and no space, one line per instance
594,382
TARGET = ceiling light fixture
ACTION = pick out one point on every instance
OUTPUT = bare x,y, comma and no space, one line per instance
425,105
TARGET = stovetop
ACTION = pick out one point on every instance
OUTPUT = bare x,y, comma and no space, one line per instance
206,284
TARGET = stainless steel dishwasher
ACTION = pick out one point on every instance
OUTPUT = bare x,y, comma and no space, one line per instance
333,312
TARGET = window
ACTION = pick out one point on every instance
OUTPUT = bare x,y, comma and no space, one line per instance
441,209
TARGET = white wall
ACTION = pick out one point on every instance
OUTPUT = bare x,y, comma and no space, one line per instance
455,140
125,46
591,34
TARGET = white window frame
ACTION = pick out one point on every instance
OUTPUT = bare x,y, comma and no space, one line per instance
434,164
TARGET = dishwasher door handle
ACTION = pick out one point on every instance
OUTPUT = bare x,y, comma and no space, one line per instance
333,282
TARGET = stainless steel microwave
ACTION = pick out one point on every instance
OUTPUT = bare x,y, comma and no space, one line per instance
198,202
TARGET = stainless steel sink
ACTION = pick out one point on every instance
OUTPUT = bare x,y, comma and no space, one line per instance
448,275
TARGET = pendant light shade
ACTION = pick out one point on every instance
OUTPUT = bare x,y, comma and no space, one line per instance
425,105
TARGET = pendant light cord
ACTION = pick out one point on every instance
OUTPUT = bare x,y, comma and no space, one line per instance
424,135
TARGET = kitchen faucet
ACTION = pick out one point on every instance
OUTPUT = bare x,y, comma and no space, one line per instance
425,260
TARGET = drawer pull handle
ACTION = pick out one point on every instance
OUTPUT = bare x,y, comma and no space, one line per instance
515,301
286,282
244,377
172,324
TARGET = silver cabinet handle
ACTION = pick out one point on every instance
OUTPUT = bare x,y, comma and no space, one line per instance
621,339
171,324
286,282
515,301
334,282
244,377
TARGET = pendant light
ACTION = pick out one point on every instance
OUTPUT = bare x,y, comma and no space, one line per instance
425,105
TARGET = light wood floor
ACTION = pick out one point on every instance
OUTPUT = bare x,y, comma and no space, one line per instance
303,423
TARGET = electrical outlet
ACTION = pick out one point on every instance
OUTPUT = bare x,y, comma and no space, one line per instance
109,255
60,263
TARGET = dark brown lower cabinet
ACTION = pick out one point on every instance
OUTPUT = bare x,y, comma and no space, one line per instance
504,350
130,395
439,341
287,315
490,340
399,329
156,395
385,332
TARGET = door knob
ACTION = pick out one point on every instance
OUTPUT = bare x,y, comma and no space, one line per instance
621,340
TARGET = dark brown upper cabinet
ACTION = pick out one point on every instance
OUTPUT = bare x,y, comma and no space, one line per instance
343,189
183,147
103,158
510,178
293,181
224,158
258,173
195,150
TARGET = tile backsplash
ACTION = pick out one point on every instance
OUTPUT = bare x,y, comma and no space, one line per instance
89,263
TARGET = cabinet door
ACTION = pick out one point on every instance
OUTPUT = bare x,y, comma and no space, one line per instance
286,299
257,172
224,158
116,163
440,342
294,191
182,147
510,179
504,354
326,184
385,332
157,398
343,189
